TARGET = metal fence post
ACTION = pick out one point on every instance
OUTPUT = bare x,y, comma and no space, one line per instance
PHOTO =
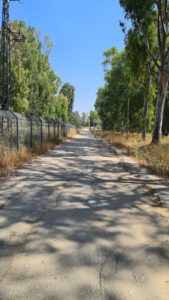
41,129
58,130
48,131
31,132
54,131
17,129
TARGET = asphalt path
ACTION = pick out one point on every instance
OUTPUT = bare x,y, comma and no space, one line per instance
76,224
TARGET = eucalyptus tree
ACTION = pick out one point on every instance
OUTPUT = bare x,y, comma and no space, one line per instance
94,118
34,84
144,70
68,90
75,119
119,102
84,119
144,15
104,109
60,108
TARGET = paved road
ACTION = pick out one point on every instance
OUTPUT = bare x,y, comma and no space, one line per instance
74,225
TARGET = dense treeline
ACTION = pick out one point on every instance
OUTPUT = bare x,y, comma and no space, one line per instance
85,120
35,88
135,95
120,102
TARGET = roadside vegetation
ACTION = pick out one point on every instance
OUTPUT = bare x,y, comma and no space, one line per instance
154,157
135,96
11,159
133,104
36,90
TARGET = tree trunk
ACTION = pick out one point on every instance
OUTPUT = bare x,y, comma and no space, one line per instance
146,106
162,93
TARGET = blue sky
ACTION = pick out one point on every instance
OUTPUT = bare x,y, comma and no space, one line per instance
81,31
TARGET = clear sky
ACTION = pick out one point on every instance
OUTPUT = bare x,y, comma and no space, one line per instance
81,31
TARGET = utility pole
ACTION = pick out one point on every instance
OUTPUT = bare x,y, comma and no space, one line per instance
7,36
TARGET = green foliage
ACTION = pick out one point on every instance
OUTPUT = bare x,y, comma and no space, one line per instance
126,102
61,108
84,119
94,118
75,119
68,90
120,102
34,85
139,12
150,20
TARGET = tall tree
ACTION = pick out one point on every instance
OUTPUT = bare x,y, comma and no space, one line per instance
61,108
143,69
84,119
34,84
94,118
120,102
145,14
68,90
75,119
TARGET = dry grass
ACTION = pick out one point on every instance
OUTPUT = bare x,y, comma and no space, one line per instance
73,133
155,157
40,148
127,141
13,158
10,158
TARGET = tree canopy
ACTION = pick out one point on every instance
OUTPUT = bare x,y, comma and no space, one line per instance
135,94
35,88
68,91
151,20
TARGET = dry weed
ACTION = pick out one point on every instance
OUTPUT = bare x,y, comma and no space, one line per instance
10,158
40,148
73,132
155,157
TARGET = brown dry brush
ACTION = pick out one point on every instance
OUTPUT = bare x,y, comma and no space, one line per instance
11,158
154,157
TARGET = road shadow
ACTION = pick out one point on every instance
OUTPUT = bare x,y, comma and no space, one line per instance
75,225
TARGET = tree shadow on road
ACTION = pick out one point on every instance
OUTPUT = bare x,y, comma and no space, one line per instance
75,225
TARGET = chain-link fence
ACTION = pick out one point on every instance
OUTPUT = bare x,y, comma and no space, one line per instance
17,130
